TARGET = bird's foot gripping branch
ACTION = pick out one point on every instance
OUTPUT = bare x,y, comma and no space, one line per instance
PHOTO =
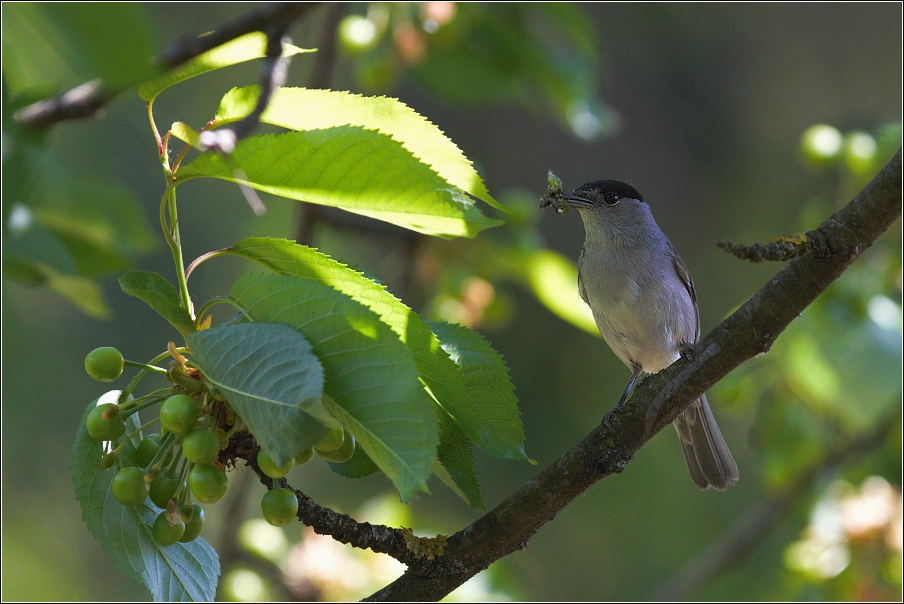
317,362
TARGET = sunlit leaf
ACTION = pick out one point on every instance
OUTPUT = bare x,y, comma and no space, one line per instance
271,378
185,133
554,280
246,48
348,167
303,109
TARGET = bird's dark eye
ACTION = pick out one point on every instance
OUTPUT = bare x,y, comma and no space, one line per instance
611,198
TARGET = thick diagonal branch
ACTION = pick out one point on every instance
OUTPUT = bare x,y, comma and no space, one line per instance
751,330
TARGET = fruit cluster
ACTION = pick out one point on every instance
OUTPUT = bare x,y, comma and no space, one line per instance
182,461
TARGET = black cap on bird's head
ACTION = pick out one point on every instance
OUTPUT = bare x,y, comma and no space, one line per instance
602,192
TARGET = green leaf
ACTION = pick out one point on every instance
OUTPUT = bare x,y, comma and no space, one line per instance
455,461
66,230
486,381
180,572
185,133
56,46
358,170
100,223
368,372
359,466
82,292
446,382
246,48
554,280
272,379
303,109
159,294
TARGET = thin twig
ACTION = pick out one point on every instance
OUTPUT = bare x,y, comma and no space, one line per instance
781,249
341,527
262,19
85,100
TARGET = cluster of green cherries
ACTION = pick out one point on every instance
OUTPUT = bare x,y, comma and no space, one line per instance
171,478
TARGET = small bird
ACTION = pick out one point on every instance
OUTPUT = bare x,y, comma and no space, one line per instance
644,304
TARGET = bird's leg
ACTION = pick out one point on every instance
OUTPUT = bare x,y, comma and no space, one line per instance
635,371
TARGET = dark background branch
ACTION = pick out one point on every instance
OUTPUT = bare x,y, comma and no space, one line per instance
86,99
751,330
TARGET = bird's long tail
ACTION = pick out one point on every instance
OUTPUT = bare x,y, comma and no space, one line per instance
708,458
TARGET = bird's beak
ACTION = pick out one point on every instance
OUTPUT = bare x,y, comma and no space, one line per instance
577,201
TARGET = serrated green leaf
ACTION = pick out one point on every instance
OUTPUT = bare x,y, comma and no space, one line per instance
447,383
455,461
303,109
180,572
368,372
348,167
272,379
246,48
486,380
159,294
554,280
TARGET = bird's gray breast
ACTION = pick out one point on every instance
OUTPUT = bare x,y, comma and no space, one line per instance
640,306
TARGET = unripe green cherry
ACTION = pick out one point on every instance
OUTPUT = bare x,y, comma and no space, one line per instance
269,467
163,488
343,453
208,483
179,413
101,429
165,533
194,525
201,446
304,457
104,364
129,487
148,448
280,506
331,441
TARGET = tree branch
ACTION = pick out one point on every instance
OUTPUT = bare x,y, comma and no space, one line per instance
86,99
341,527
751,330
780,249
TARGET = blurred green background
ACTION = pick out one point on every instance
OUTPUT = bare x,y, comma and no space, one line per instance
703,108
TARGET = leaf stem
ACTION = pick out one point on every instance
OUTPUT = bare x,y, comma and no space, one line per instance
125,393
161,150
146,401
203,258
210,303
144,366
165,445
171,233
